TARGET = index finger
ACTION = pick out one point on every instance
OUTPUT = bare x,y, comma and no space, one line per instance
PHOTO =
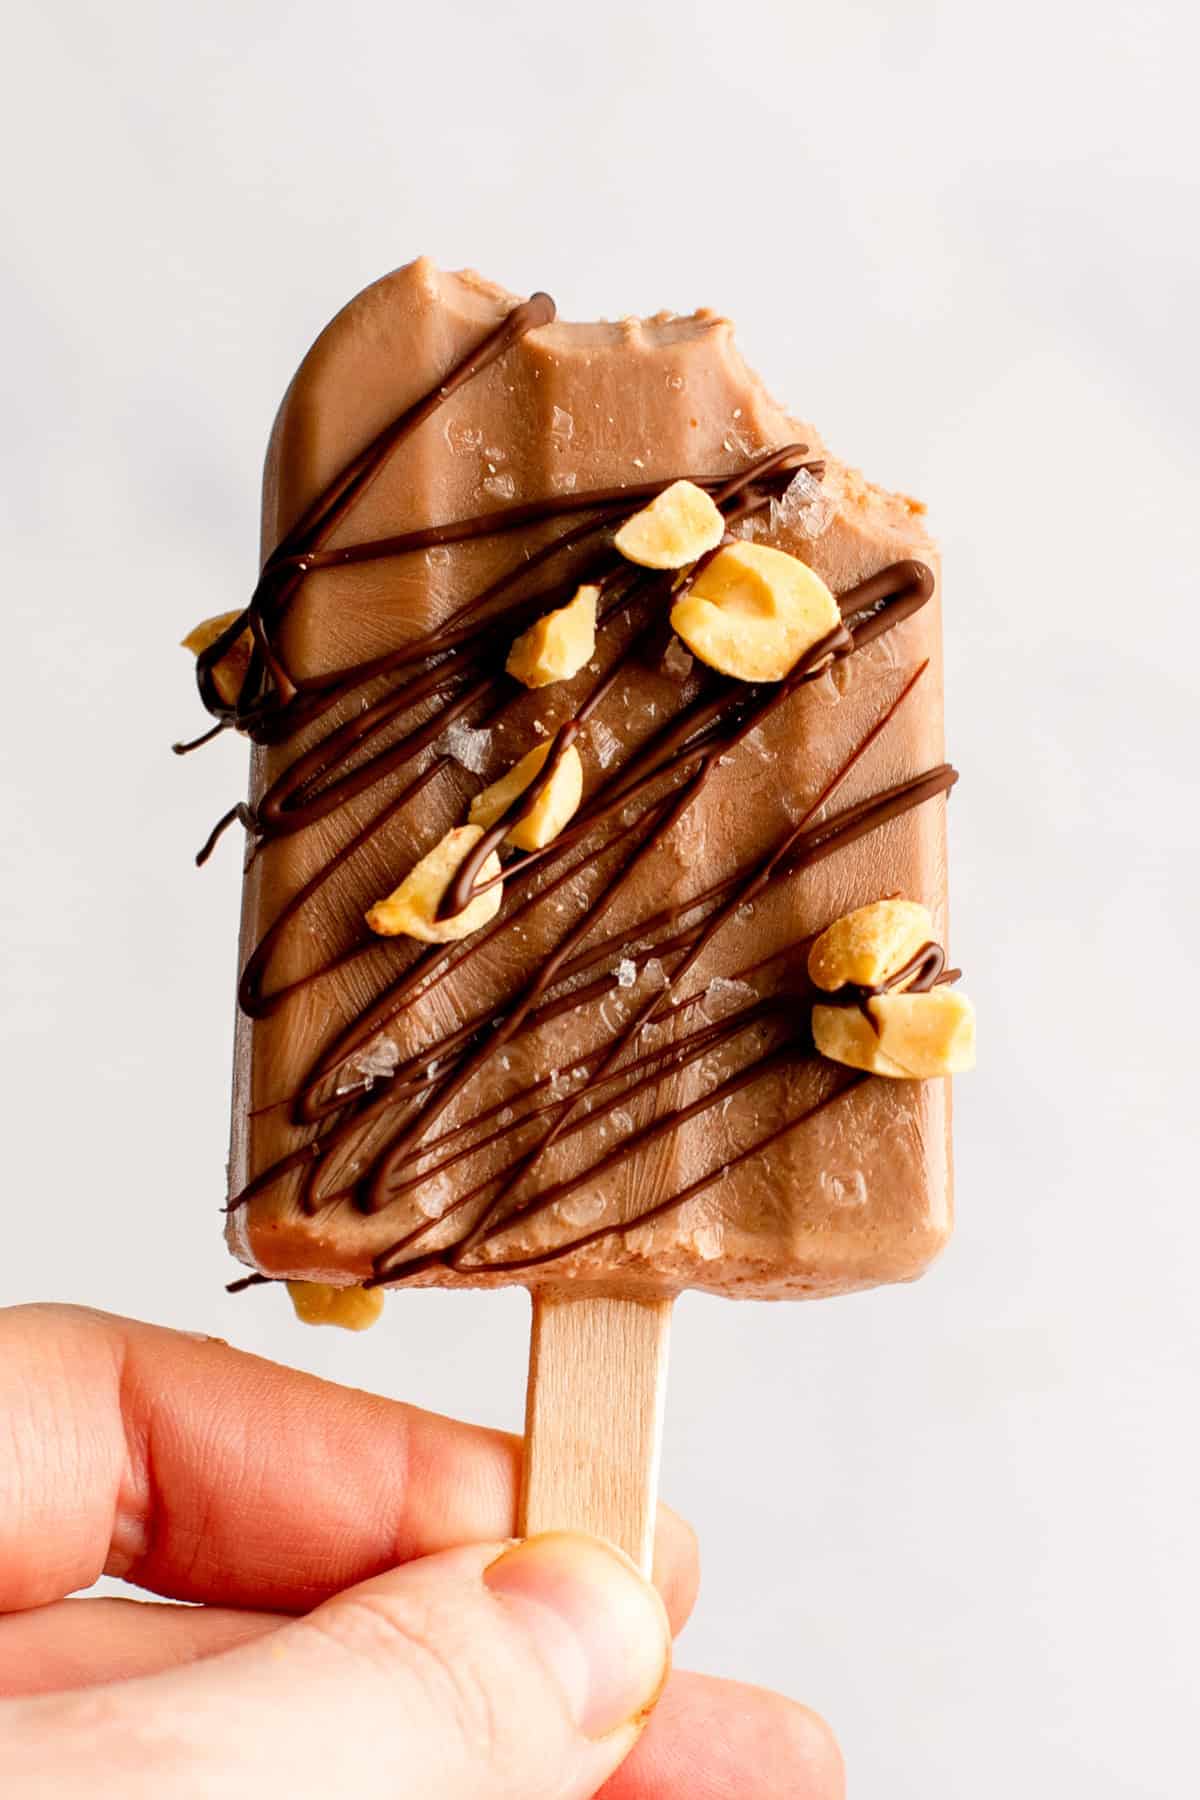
205,1474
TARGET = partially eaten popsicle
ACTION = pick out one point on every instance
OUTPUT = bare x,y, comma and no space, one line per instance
594,917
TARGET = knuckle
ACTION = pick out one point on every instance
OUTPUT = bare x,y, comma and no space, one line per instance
383,1633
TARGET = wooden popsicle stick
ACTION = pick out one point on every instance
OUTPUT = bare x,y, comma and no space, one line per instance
593,1418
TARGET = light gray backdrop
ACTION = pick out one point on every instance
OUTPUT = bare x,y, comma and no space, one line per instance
959,1518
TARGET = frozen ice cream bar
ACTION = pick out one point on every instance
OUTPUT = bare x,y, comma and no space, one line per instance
588,692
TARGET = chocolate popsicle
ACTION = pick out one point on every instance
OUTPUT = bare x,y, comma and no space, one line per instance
569,1023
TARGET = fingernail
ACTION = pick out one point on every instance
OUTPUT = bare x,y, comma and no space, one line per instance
600,1627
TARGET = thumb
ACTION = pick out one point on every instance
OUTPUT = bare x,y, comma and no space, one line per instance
489,1673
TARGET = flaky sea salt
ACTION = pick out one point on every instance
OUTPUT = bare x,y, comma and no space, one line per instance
843,1190
677,662
562,425
613,1013
467,746
626,972
604,743
723,997
378,1059
432,1197
463,439
582,1209
654,974
804,506
500,487
564,482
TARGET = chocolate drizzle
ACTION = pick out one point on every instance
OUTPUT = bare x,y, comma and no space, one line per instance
924,970
454,672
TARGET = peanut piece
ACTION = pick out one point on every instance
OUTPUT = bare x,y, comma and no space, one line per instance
844,1036
411,910
353,1308
927,1034
920,1035
559,645
754,611
228,674
557,802
867,946
678,526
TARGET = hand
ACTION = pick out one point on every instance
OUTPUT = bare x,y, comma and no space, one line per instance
364,1627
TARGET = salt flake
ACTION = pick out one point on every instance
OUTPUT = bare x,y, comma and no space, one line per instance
467,746
626,972
604,743
582,1209
804,506
724,996
378,1059
463,439
677,663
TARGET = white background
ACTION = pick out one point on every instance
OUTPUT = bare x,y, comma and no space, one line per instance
959,1518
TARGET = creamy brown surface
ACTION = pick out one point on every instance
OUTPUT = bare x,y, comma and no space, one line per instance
857,1195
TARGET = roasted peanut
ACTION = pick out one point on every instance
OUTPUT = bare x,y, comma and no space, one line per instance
677,527
228,674
558,646
867,946
411,910
753,611
919,1035
353,1308
556,803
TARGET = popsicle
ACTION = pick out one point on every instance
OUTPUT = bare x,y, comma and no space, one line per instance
594,911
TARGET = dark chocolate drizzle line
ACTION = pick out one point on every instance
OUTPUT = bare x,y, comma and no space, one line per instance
675,1201
248,1281
807,669
456,667
922,972
815,845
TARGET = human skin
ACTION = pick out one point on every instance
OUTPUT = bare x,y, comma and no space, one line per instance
359,1617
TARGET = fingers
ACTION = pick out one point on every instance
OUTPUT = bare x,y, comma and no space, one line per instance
719,1740
80,1643
205,1474
499,1672
707,1740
